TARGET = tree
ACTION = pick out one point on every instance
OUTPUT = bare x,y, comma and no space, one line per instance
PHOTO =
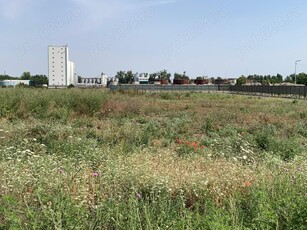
178,76
290,78
241,80
121,77
153,77
301,78
162,75
130,77
25,76
39,80
7,77
125,77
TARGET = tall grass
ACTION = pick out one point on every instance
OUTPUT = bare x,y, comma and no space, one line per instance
93,159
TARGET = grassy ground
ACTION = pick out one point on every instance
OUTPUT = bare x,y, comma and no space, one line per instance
93,159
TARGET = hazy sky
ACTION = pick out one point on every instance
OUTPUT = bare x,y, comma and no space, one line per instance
225,38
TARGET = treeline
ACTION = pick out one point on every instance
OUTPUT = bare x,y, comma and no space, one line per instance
36,80
127,77
301,78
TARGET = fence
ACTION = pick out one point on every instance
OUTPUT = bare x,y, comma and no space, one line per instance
165,88
288,91
265,90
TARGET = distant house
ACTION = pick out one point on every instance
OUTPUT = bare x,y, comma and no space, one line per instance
141,79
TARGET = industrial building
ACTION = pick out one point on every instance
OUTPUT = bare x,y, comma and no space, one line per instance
101,81
61,70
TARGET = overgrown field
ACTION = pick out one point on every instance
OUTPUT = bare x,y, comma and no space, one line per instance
93,159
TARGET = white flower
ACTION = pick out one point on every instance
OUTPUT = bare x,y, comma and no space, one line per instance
244,157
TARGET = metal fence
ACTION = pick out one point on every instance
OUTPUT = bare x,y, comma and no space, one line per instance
298,91
266,90
168,88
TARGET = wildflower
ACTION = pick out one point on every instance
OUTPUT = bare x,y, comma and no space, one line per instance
34,139
248,184
202,147
95,174
138,195
244,157
194,144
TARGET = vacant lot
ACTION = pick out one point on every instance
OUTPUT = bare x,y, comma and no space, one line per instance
93,159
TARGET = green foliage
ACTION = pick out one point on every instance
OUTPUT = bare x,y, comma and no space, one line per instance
92,159
7,77
178,76
301,78
266,79
241,80
36,80
162,75
125,77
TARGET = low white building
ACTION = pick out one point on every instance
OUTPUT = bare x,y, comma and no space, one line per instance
141,79
14,82
101,81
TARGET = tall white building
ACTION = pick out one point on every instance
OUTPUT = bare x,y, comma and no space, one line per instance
60,70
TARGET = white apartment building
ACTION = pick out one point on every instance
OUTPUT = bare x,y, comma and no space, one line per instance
60,69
